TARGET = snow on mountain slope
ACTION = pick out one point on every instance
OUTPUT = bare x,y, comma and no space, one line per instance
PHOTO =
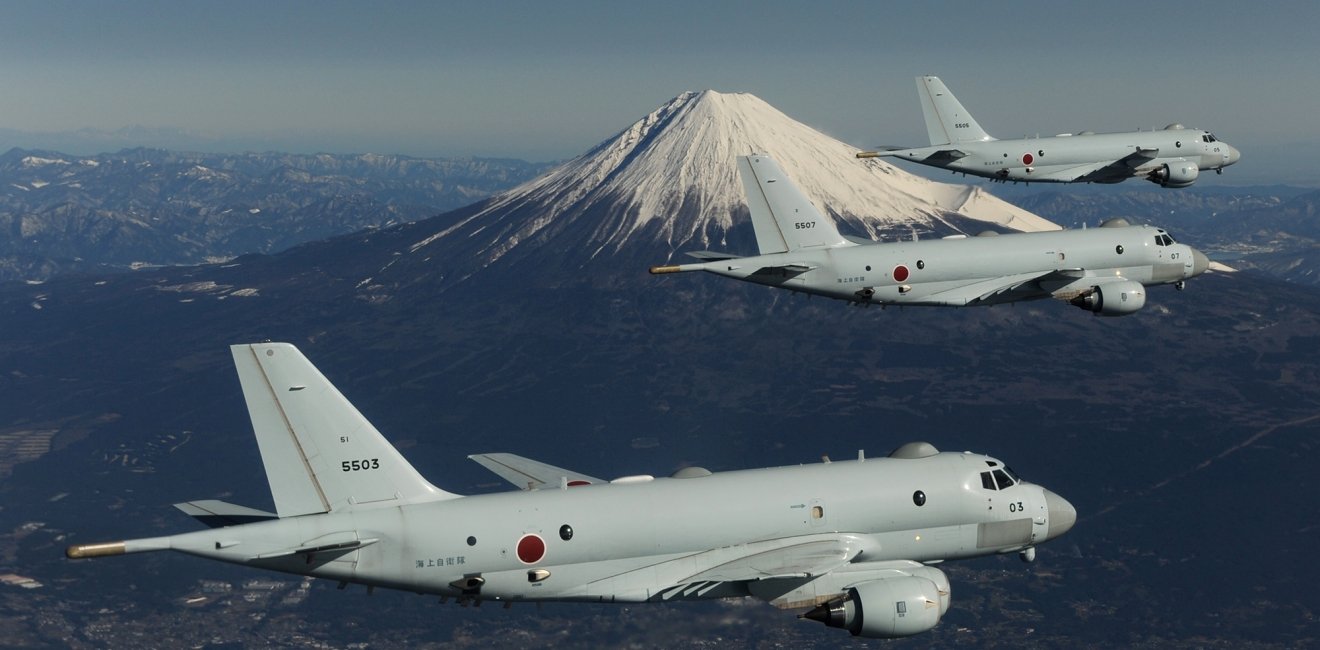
671,178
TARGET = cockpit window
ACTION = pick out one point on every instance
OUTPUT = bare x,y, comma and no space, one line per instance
1002,479
987,481
1012,474
1163,240
1209,137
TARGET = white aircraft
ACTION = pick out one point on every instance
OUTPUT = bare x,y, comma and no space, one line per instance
1172,157
854,540
1102,270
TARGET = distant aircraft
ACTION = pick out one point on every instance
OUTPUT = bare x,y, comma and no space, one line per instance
1172,157
850,539
1103,270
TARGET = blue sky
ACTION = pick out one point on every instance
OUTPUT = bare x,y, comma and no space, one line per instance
547,80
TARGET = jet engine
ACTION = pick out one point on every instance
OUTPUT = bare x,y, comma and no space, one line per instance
1113,298
889,608
1181,174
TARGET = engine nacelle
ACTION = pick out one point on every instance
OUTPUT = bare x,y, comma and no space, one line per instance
1113,298
890,608
1176,175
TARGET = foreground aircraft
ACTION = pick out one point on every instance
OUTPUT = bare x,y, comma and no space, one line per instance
1103,270
853,540
1172,157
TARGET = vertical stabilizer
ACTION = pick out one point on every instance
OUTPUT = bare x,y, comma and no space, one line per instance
947,122
783,217
320,454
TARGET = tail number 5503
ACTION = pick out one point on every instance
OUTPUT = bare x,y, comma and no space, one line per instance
359,465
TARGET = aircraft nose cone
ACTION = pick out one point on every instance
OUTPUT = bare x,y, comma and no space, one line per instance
1233,155
1199,262
1062,515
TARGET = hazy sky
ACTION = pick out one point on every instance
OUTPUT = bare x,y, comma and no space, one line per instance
547,80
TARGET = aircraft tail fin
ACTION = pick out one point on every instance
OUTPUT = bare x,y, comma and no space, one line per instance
782,216
319,452
947,122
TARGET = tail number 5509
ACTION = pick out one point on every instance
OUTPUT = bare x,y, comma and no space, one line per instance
358,465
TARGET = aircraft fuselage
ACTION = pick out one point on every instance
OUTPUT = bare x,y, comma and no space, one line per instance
946,272
1062,159
618,541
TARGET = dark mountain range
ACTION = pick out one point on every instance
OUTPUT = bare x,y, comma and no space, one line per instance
148,207
1183,434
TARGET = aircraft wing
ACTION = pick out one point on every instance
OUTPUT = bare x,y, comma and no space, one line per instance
800,558
1000,289
803,560
1104,171
1063,284
530,474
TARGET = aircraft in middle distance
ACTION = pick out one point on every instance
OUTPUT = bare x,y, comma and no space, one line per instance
1102,270
1172,157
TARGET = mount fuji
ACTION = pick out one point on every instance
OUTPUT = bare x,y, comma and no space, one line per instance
669,183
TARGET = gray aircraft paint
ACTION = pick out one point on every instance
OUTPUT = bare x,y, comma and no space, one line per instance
1102,269
1172,157
830,534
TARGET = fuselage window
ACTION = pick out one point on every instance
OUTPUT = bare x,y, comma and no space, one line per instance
987,481
1002,479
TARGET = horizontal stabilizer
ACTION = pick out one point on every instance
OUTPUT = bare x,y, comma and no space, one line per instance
218,514
326,544
782,271
530,474
710,256
937,156
881,151
947,155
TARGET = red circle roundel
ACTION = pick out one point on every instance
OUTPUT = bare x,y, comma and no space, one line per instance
1027,159
900,273
531,548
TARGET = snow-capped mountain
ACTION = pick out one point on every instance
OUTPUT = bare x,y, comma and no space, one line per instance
671,179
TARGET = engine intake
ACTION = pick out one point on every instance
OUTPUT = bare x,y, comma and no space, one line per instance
889,608
1113,298
1181,174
